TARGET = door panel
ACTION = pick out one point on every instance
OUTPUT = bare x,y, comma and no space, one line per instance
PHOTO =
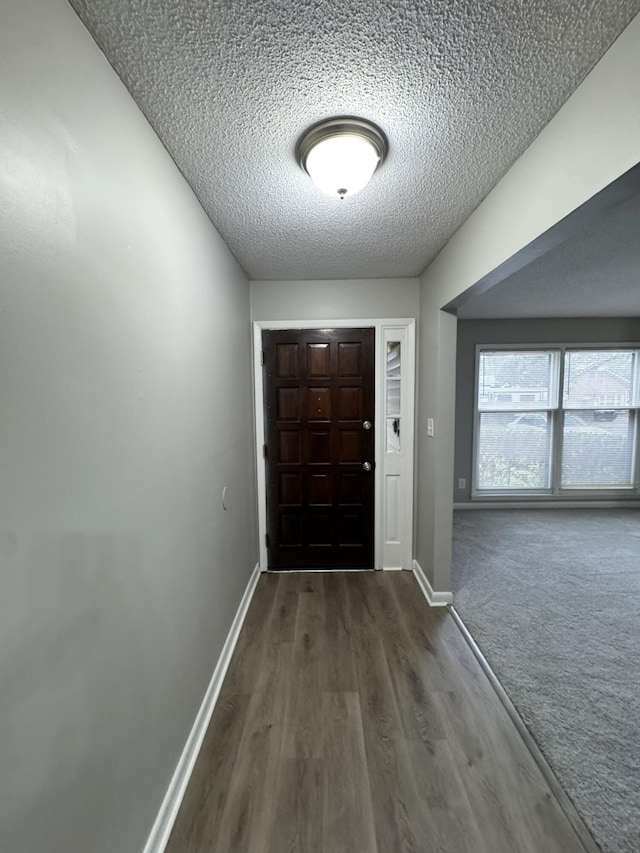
318,391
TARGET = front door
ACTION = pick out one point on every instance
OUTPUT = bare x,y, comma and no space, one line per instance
319,409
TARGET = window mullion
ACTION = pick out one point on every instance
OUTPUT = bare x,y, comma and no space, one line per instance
635,462
557,419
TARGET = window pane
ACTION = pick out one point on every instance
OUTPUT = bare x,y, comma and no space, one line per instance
518,380
393,396
513,452
597,453
393,359
393,435
598,379
393,377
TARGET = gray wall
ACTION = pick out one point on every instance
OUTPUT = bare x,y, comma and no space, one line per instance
335,300
473,332
125,388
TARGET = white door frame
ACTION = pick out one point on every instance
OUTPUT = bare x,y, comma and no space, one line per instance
384,329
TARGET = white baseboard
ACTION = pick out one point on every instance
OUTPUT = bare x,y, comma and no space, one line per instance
435,599
161,830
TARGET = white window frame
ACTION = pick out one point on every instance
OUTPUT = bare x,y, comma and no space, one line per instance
556,491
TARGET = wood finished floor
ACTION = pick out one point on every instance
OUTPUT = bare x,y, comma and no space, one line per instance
355,719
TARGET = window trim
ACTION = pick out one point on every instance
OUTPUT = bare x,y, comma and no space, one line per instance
555,492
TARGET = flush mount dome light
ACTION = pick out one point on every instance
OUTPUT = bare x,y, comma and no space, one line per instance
340,155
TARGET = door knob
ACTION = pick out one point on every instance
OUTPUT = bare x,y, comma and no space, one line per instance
366,466
366,425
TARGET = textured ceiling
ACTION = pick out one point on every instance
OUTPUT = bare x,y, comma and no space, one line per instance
594,274
460,88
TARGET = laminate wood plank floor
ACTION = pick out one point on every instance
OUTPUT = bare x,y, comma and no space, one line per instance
354,718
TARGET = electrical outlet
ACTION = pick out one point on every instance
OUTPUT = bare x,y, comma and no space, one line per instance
462,483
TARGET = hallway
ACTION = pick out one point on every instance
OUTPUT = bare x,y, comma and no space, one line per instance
355,718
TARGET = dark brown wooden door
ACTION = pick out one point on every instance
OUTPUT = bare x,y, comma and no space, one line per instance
318,394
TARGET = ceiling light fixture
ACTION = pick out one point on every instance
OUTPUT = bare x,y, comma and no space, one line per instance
340,155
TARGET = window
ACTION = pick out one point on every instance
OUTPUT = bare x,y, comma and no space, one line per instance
599,424
517,390
556,420
393,380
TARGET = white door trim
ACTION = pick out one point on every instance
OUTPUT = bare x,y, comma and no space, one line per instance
408,391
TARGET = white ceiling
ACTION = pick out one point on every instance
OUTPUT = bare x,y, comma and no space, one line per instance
596,273
460,88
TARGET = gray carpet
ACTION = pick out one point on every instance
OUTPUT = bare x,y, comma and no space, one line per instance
552,597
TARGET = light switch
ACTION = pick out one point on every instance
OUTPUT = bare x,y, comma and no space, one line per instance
430,426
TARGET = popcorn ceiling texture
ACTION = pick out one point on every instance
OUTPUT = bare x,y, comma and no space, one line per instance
460,88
